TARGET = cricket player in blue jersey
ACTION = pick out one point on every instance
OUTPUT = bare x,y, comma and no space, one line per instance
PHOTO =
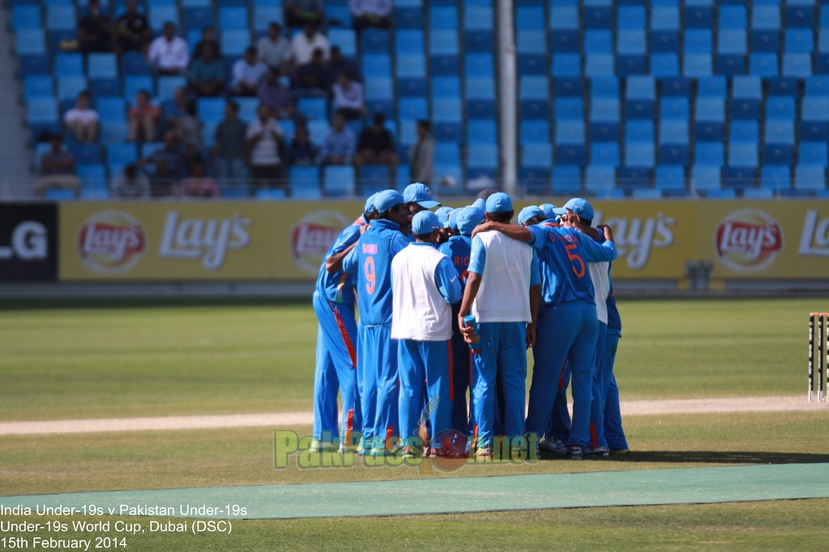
571,332
458,249
613,431
369,263
336,343
425,284
502,292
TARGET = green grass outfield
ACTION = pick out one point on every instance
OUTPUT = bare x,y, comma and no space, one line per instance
66,361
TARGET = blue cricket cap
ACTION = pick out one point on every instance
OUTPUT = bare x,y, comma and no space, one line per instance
420,194
385,200
499,202
480,204
529,212
581,207
453,219
468,219
443,215
425,222
370,204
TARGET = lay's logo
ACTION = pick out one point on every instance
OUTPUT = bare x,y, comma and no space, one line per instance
748,240
111,241
313,235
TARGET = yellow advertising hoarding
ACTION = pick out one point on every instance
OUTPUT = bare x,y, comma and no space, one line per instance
248,240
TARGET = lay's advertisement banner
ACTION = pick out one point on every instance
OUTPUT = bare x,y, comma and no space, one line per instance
248,240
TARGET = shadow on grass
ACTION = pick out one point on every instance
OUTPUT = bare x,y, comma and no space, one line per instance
710,457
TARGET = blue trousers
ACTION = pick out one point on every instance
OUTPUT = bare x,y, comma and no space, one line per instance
571,335
560,421
378,363
614,433
425,371
461,377
335,371
503,353
601,383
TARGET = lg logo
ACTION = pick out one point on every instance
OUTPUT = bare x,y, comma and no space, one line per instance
29,242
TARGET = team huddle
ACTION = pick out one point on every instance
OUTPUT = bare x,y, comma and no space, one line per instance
449,303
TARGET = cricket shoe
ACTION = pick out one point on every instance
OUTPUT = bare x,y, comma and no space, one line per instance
412,452
575,452
484,454
620,451
553,444
596,452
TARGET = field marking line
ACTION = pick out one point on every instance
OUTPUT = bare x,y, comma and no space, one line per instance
291,419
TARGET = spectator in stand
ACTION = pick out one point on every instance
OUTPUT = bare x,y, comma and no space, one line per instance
82,120
348,98
175,109
208,37
306,43
248,73
170,166
370,13
339,144
132,30
189,131
303,151
299,13
207,74
376,147
131,184
338,64
273,49
310,79
263,139
57,169
276,95
143,118
422,155
95,30
168,53
229,151
199,184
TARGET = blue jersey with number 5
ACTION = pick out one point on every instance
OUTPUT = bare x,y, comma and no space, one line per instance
370,265
566,252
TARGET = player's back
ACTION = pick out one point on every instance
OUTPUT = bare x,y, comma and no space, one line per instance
458,249
563,255
338,286
505,281
371,261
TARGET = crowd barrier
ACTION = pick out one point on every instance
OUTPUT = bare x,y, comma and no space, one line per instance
285,241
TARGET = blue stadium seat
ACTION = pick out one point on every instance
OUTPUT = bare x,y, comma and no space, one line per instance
478,65
413,108
635,176
265,14
70,87
102,88
631,17
303,178
532,52
676,86
566,65
570,143
443,17
120,155
709,153
564,26
449,179
135,83
33,64
813,153
600,65
775,177
727,193
604,87
780,107
113,131
537,154
597,14
158,15
566,180
443,52
338,181
235,41
758,193
92,175
377,65
706,177
534,180
375,41
482,156
318,129
814,116
783,86
817,86
598,42
669,177
696,65
797,64
765,28
482,131
599,178
731,52
533,131
103,66
408,17
235,17
198,17
673,142
747,93
345,39
605,153
448,109
59,194
712,87
743,154
709,119
478,35
698,14
604,119
87,154
30,42
379,88
674,108
60,17
763,65
68,65
639,154
534,97
664,34
247,108
664,65
111,108
779,142
38,86
338,16
409,42
411,66
26,17
270,195
640,97
698,41
210,110
799,40
529,17
733,17
801,14
133,63
447,153
744,131
810,177
569,109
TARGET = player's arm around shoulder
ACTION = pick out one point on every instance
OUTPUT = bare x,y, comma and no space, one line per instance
351,261
598,253
519,233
